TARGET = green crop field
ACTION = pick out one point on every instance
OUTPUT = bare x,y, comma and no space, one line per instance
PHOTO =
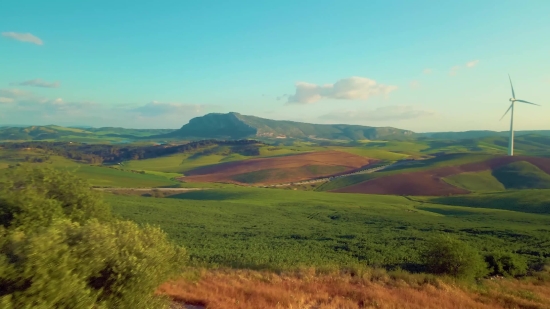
522,175
270,228
529,201
475,181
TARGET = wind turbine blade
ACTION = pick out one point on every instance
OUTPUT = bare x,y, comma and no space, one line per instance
509,108
522,101
512,86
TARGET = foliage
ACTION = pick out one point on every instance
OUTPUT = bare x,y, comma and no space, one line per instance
449,256
61,249
32,198
506,264
475,181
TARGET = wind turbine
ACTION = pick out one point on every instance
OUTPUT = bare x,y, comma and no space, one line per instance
513,100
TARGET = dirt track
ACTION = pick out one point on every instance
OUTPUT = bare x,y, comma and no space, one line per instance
430,182
286,164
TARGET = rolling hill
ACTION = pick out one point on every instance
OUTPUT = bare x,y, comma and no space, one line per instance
237,126
59,133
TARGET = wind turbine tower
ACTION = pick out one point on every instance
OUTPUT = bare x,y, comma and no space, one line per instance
513,100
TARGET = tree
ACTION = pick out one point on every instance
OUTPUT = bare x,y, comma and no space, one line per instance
59,248
449,256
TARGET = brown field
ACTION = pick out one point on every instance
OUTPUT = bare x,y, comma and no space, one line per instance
375,289
282,169
430,183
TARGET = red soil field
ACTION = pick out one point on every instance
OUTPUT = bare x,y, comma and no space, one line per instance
429,183
225,171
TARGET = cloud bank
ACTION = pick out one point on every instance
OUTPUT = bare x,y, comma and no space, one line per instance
386,113
25,106
38,83
23,37
454,70
352,88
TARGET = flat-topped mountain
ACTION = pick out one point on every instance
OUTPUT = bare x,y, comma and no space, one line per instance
235,126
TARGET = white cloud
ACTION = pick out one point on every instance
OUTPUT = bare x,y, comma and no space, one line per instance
38,83
472,63
13,93
414,84
23,37
352,88
6,100
156,108
454,70
427,71
386,113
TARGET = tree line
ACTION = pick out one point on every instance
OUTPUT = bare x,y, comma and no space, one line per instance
108,153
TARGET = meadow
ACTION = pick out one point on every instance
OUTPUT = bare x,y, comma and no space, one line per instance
280,229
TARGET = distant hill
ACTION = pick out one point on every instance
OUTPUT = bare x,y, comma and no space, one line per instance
479,134
58,133
236,126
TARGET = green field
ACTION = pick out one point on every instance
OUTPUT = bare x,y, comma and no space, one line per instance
522,175
529,201
475,181
270,228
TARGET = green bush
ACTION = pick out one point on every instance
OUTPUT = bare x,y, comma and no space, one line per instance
449,256
33,197
506,264
74,256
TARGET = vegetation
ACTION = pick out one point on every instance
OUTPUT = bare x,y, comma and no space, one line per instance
522,175
476,181
445,255
60,248
529,201
281,229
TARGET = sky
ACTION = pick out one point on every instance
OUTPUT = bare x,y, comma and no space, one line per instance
420,65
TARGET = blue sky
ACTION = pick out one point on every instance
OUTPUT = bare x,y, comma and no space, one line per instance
419,65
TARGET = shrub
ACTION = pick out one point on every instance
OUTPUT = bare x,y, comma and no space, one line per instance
506,264
33,197
60,249
449,256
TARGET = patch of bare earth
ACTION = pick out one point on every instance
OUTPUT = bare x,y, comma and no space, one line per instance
430,182
225,172
257,290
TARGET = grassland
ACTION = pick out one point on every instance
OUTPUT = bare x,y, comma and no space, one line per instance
269,228
529,201
97,175
476,181
522,175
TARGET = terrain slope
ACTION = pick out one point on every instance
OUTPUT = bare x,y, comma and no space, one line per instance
431,182
280,169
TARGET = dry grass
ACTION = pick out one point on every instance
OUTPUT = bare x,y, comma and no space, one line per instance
242,289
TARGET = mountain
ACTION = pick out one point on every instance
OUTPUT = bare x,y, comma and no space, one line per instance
479,134
237,126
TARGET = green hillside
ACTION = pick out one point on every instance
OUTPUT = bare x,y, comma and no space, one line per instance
530,201
90,135
235,125
406,167
475,181
522,175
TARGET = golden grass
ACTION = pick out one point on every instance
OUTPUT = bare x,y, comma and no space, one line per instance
244,289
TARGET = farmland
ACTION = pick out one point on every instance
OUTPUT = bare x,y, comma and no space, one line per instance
273,229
